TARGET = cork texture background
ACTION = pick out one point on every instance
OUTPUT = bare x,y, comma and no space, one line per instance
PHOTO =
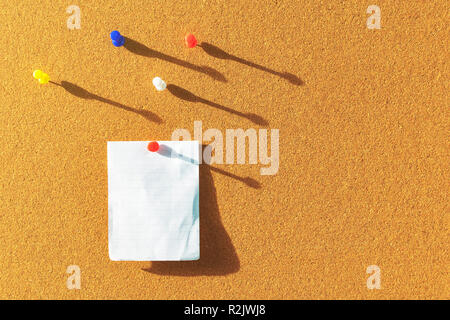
363,118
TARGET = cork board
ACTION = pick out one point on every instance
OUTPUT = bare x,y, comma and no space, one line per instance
363,145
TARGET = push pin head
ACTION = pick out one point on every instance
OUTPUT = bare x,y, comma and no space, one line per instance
117,39
41,76
153,146
191,42
159,84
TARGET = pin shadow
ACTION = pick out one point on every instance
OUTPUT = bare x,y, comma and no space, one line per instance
247,180
84,94
189,96
170,153
142,50
217,253
216,52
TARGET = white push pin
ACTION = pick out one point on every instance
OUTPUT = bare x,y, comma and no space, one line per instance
159,84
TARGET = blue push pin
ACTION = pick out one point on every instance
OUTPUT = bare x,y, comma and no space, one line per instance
117,39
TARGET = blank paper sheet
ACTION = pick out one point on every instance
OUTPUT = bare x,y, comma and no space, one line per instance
153,201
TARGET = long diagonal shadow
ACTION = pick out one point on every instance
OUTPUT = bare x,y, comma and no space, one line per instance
217,253
170,153
84,94
142,50
216,52
189,96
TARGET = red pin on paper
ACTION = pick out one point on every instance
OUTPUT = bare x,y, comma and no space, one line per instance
191,42
153,146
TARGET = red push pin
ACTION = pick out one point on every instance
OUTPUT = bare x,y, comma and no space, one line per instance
153,146
191,42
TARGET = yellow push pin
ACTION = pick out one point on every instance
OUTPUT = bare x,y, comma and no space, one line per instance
41,76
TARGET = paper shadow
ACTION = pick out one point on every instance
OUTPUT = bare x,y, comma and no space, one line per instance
217,253
142,50
84,94
189,96
216,52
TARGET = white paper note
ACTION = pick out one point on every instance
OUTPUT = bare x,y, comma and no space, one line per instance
153,201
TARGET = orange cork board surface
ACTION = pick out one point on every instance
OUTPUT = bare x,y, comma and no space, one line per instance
363,122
